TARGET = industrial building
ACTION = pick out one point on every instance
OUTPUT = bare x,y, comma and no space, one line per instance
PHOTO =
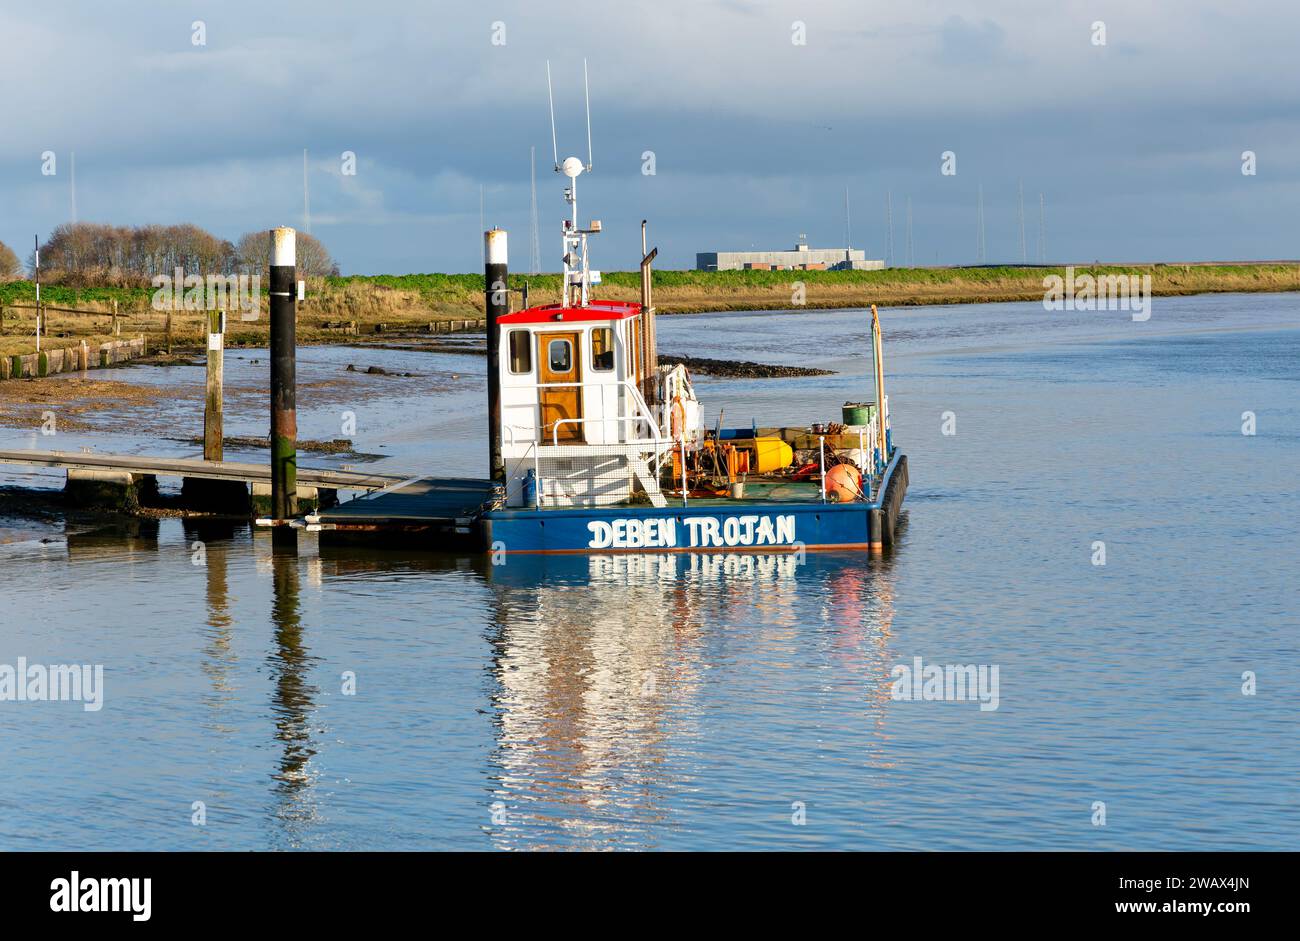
801,258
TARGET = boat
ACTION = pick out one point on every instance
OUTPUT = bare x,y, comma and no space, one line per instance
596,447
603,449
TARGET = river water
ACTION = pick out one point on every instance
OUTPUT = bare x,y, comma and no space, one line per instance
370,700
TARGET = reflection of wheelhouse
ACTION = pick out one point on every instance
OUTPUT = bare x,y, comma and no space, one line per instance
581,417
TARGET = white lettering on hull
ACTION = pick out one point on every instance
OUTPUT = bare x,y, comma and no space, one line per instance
700,531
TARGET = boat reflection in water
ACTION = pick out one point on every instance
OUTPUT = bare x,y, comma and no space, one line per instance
613,671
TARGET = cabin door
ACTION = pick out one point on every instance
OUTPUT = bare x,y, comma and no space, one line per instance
560,361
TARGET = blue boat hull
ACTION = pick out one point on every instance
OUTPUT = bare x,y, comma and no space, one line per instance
737,526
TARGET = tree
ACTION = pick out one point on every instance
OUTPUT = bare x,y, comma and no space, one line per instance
254,253
10,267
87,253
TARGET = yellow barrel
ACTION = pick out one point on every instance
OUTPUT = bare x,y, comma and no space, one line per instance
770,454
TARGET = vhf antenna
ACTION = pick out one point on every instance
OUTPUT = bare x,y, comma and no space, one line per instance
550,95
576,285
586,89
555,151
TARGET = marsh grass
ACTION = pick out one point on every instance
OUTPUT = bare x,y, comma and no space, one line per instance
410,302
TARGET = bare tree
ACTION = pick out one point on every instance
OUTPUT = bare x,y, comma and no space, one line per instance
253,251
10,267
86,253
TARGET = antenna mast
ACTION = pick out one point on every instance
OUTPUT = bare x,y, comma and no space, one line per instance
848,227
889,224
586,89
550,96
911,260
576,284
1042,230
535,251
306,202
1024,253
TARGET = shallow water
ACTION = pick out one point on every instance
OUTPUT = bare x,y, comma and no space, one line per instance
708,702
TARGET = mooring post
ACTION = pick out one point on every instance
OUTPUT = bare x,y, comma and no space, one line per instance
116,328
37,239
284,407
496,304
213,424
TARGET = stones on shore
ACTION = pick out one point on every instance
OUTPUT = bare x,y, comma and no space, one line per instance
740,369
378,371
721,368
332,446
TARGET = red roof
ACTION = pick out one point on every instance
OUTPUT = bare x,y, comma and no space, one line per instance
553,313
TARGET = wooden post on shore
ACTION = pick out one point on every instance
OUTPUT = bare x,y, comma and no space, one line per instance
2,320
169,333
116,328
37,240
213,424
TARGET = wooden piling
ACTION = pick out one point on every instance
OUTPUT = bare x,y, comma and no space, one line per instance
284,409
213,422
496,304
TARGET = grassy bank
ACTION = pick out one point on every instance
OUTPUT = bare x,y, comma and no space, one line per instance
403,302
701,291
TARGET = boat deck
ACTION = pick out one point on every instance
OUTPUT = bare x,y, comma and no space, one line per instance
446,504
775,491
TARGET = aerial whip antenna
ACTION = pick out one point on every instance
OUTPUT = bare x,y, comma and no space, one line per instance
587,90
555,151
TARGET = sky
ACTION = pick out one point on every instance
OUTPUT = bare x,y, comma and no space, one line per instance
1131,119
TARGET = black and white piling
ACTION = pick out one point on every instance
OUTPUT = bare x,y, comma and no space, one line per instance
496,304
37,239
284,406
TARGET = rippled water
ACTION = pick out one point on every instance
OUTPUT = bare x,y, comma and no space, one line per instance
707,702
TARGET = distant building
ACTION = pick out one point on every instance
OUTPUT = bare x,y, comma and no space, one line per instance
801,258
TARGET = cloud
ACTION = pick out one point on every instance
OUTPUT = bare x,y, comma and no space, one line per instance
755,138
963,43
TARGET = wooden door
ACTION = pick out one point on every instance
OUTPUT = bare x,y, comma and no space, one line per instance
559,359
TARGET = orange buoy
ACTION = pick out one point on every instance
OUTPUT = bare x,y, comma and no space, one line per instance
843,483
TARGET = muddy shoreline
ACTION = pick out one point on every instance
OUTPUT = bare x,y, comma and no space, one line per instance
699,365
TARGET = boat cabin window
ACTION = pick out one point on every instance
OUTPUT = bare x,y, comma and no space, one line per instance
560,355
521,352
602,349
